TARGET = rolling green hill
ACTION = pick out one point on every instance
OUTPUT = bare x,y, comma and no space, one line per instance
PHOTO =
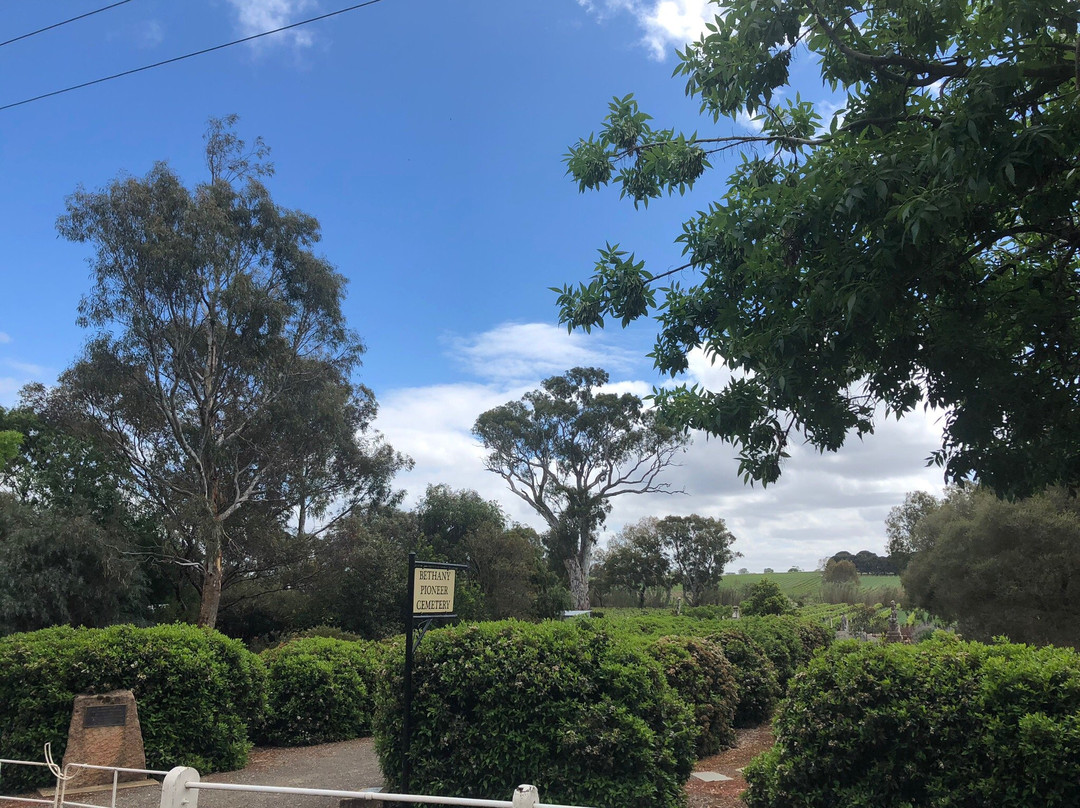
805,585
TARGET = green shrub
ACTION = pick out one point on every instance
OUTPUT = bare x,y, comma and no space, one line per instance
789,642
715,612
333,632
840,572
942,723
319,690
765,651
195,689
755,676
704,678
585,716
766,597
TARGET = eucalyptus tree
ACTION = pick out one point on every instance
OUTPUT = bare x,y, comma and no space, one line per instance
568,449
913,239
700,548
635,560
902,525
220,367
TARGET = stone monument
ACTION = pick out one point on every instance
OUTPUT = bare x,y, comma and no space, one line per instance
105,731
893,634
844,632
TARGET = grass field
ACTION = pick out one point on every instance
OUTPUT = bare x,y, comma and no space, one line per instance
802,587
805,585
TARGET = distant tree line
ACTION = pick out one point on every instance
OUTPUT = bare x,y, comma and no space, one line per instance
77,548
868,563
654,555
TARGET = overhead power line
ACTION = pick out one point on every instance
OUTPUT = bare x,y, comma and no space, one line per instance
65,22
188,55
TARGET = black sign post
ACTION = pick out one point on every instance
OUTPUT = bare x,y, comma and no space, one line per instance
431,598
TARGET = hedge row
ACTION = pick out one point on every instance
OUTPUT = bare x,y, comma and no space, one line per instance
603,712
319,690
195,690
702,676
202,697
764,652
941,723
581,713
757,683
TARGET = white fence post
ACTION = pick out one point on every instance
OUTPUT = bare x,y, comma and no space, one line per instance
524,796
174,790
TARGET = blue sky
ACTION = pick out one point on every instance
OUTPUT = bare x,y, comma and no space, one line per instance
427,137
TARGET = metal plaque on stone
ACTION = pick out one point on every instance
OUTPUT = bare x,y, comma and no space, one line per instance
105,731
114,715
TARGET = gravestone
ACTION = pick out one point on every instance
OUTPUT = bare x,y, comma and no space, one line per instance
893,634
844,633
105,731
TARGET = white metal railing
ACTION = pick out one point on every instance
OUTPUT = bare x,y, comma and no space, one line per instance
69,772
182,786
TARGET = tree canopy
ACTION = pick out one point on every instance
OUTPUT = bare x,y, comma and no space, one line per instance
999,567
71,542
568,449
766,597
221,367
658,553
504,561
840,572
918,246
700,548
867,562
635,560
902,525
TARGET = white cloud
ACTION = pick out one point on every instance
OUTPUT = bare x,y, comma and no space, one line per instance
752,123
19,375
667,24
531,351
26,368
256,16
4,338
822,503
673,23
433,425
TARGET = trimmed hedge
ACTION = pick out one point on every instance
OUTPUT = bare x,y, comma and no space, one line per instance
757,684
583,715
319,690
788,641
764,651
942,723
196,690
704,678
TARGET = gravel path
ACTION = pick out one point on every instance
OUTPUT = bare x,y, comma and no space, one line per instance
345,766
353,766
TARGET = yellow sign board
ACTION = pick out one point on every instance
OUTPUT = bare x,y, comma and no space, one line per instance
433,591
